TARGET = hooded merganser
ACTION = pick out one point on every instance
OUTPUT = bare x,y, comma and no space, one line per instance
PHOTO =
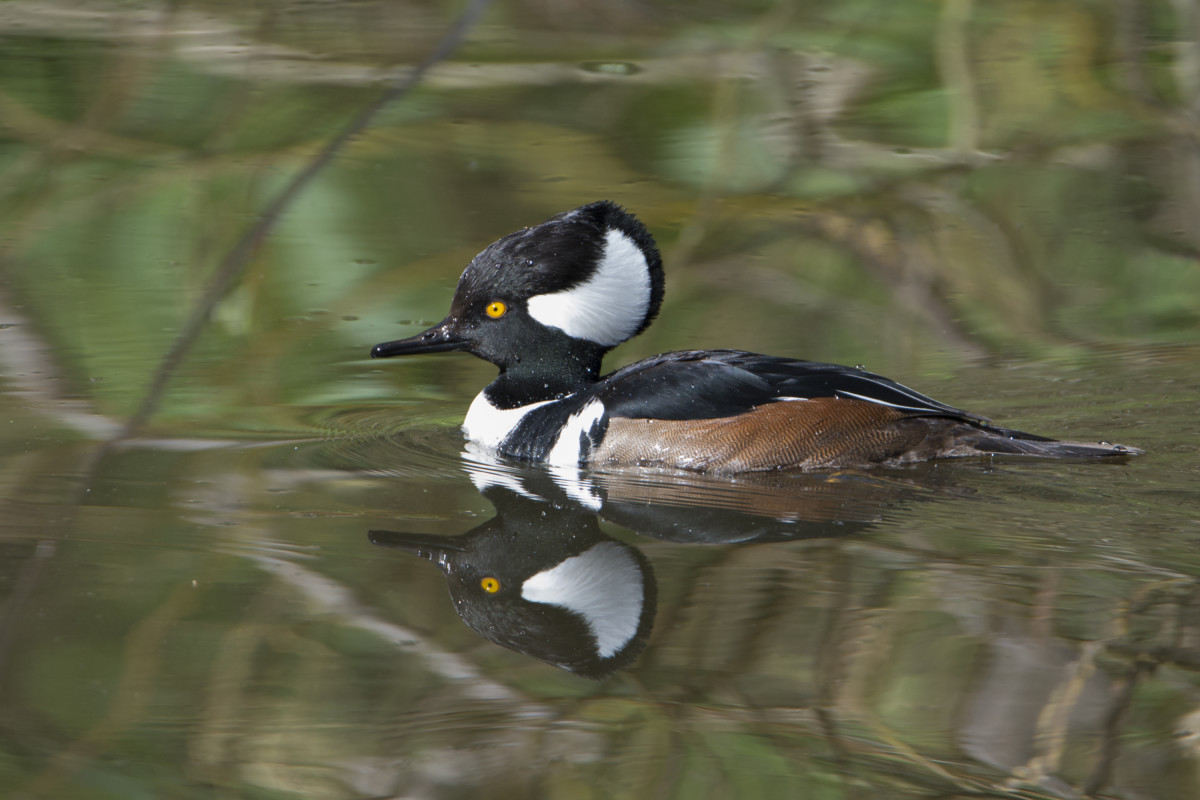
546,303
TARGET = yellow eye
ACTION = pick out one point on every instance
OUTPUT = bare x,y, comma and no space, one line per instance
496,309
490,585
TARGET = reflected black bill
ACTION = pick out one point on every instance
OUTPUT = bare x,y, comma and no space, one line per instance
437,549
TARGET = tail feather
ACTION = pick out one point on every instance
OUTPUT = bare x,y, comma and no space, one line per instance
1003,441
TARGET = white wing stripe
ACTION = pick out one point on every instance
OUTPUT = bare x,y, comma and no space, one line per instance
879,402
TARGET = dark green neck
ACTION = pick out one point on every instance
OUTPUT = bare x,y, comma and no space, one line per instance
537,377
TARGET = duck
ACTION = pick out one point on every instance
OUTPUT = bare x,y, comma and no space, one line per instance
545,304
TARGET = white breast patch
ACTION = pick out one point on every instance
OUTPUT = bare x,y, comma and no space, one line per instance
489,425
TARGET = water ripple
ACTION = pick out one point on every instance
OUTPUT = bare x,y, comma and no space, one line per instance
387,441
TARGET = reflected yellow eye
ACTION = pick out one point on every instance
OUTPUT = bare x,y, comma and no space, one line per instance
490,585
496,309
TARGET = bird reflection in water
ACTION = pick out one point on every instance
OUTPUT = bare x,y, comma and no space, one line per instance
542,579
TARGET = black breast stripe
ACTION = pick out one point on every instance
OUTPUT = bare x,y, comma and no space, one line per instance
536,434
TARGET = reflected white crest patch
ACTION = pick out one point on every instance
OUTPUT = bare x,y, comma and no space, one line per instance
603,585
609,306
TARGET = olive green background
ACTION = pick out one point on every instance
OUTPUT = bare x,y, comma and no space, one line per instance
995,203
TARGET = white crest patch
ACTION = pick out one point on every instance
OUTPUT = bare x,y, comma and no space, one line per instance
609,306
568,449
489,425
604,585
